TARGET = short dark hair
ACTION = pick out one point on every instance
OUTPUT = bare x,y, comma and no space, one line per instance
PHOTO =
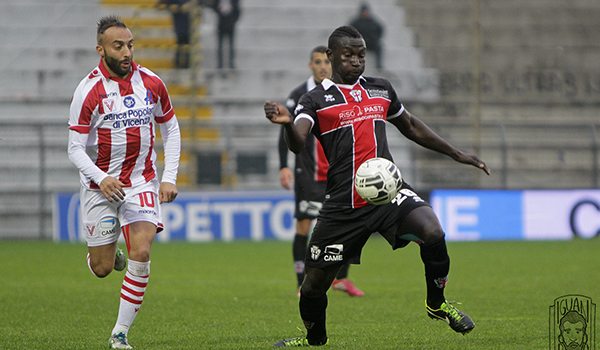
319,49
342,32
572,317
106,22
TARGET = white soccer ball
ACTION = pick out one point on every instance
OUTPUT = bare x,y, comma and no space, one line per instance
378,181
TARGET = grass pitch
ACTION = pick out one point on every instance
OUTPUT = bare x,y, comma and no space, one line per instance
242,296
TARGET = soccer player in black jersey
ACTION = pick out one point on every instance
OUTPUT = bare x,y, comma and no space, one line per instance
347,115
310,176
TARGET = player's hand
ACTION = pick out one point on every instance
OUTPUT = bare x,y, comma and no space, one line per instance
286,177
472,160
277,113
167,192
112,189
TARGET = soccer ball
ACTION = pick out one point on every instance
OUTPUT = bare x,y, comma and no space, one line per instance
378,181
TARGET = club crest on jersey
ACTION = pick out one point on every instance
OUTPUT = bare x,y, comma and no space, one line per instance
356,95
129,102
315,252
148,98
109,105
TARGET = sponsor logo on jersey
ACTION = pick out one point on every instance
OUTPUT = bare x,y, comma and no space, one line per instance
378,93
373,109
107,227
298,108
132,117
333,252
129,102
357,114
315,252
110,94
356,95
351,113
146,211
329,98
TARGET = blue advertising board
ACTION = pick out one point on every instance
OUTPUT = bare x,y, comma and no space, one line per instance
202,216
464,214
510,215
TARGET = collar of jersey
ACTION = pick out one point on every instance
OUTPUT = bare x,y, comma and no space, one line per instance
107,75
328,83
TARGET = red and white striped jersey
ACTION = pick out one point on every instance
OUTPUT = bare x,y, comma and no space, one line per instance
119,117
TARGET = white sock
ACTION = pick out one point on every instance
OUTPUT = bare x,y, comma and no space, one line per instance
132,294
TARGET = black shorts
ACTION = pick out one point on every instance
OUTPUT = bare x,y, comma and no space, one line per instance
341,233
309,195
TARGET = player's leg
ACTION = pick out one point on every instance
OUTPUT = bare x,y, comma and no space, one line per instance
101,259
139,237
423,223
101,229
313,306
140,216
313,301
299,247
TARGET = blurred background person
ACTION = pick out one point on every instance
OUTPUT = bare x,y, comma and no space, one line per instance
228,12
181,24
372,31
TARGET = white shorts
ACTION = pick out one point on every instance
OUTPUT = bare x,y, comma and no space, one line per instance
102,220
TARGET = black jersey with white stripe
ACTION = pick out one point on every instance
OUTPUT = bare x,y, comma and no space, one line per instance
349,121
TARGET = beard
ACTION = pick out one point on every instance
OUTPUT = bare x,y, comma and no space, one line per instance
115,65
574,346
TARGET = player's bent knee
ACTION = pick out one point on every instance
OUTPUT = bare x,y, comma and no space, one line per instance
312,291
432,233
102,270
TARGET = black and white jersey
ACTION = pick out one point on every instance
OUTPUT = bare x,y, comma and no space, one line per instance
349,121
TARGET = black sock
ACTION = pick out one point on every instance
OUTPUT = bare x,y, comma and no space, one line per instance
312,311
343,272
299,253
437,265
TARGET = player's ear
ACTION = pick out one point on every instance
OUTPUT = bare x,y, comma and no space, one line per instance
100,50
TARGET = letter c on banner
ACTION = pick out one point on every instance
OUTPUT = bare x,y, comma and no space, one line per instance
574,214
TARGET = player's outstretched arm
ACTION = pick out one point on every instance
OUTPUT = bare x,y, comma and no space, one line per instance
295,135
414,129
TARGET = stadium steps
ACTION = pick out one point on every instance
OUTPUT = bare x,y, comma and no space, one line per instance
539,61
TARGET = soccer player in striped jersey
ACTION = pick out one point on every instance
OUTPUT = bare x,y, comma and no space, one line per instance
309,177
112,122
348,115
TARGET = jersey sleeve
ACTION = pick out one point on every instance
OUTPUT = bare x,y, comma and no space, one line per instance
306,108
171,136
84,105
396,108
164,111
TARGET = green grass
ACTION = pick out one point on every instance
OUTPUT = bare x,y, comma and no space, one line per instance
242,296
